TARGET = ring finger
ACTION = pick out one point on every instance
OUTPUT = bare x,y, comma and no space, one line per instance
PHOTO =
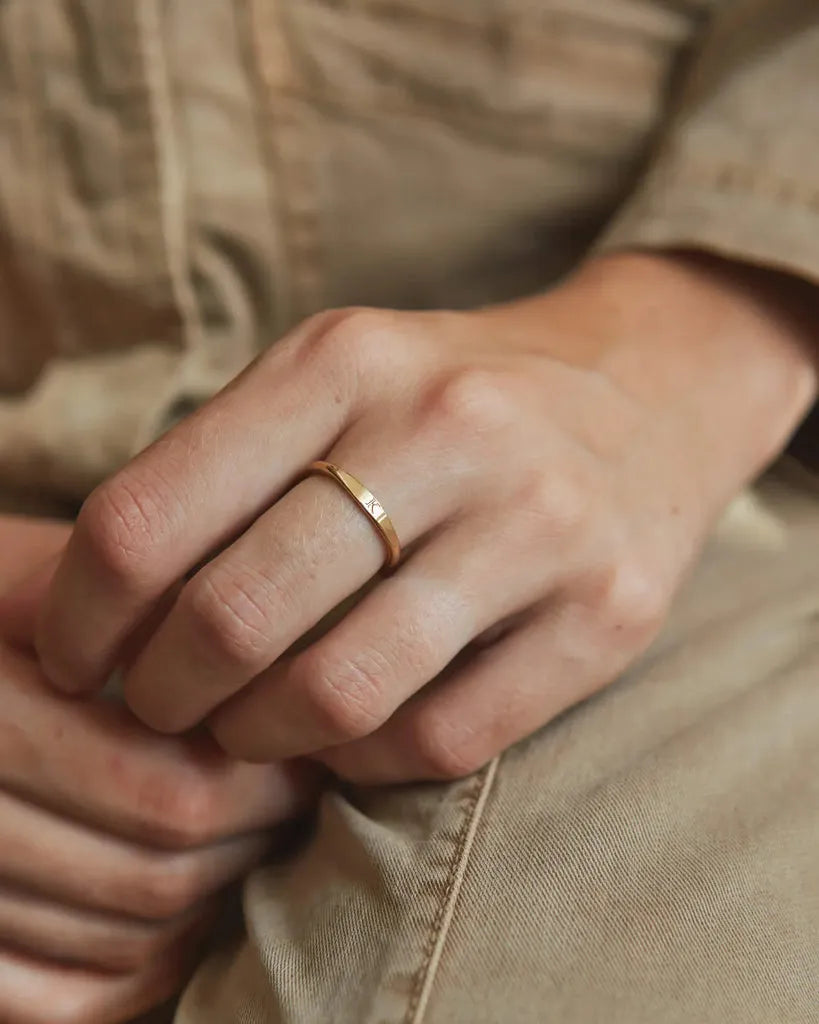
312,550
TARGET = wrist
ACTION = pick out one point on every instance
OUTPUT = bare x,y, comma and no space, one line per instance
726,353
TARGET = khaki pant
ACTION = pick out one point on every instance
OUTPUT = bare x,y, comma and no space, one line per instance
181,181
651,857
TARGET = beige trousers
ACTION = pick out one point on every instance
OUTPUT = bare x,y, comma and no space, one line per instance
180,182
651,857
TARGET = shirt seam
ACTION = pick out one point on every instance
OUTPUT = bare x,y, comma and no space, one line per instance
293,152
171,177
734,177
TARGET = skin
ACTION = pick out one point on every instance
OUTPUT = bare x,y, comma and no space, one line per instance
115,843
552,467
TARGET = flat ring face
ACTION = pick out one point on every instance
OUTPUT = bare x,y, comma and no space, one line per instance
368,502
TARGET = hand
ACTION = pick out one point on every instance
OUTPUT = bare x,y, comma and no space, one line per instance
551,467
114,844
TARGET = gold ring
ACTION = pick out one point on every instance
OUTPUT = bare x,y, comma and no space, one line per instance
367,501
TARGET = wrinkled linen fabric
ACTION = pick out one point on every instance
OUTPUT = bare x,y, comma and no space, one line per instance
181,183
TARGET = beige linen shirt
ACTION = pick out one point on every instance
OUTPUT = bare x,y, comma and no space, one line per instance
181,182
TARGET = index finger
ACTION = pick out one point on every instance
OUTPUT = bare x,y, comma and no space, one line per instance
20,607
186,496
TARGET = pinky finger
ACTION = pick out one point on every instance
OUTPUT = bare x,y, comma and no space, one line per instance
502,694
41,992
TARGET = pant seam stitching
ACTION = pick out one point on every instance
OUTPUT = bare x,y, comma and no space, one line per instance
444,914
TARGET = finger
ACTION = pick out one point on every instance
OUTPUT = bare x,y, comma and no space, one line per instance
193,490
26,543
312,550
36,991
110,942
21,604
109,874
399,638
501,695
94,763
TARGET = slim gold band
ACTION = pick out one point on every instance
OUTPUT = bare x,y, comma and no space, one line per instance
367,501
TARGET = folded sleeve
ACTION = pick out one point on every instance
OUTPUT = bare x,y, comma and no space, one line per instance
736,171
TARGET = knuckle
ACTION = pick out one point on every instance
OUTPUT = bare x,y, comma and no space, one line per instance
229,614
472,402
346,694
122,524
630,600
354,337
560,505
442,751
316,325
